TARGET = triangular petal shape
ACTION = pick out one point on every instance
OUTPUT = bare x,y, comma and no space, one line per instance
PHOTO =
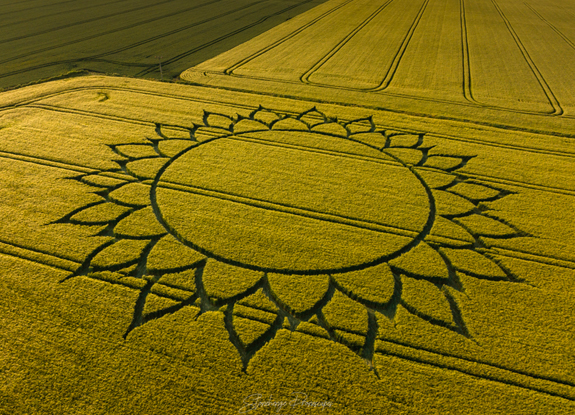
218,120
312,330
435,179
132,194
446,163
260,301
343,313
375,139
448,204
362,125
170,132
448,233
264,116
175,294
141,223
474,191
298,293
169,254
100,180
119,255
249,331
136,150
101,213
312,117
474,264
423,261
185,280
223,281
170,148
332,128
290,124
254,314
246,124
155,303
406,155
146,168
424,299
486,226
404,140
373,286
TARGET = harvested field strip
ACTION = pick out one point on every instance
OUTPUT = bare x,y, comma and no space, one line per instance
498,82
104,44
431,64
38,30
381,53
223,37
124,34
12,9
281,53
33,14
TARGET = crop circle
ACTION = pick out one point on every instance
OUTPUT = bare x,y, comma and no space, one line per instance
282,201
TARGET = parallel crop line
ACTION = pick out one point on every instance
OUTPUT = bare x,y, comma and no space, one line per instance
565,38
288,209
130,26
79,22
316,150
219,39
548,92
242,62
61,12
305,77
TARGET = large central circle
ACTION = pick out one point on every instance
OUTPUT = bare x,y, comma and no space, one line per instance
291,201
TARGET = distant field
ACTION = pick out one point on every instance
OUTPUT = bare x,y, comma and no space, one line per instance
46,38
490,60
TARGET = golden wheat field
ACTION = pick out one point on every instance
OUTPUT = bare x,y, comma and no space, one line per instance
368,209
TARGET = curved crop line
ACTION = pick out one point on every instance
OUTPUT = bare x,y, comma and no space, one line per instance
396,59
399,55
414,242
305,77
231,69
467,78
467,92
79,22
557,110
367,159
34,103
